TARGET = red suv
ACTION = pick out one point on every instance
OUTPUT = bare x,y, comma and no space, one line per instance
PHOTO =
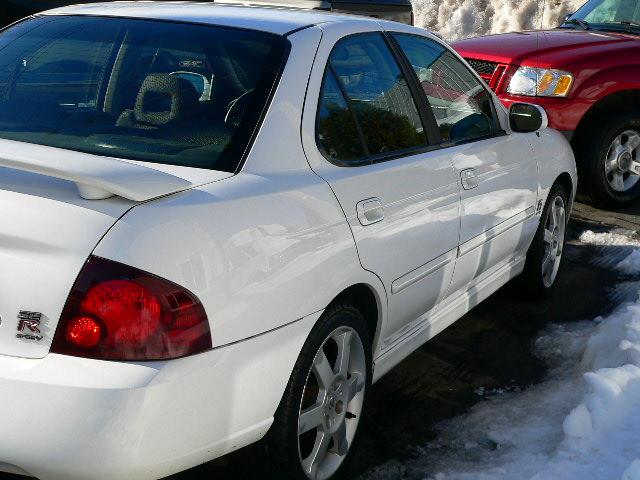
586,74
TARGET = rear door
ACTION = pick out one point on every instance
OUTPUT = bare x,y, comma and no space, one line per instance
368,141
497,175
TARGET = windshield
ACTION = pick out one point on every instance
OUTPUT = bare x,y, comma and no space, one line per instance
154,91
607,15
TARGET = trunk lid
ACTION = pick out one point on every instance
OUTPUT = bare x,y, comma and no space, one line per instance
48,231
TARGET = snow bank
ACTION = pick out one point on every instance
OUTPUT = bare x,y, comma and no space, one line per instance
618,237
454,19
581,423
631,264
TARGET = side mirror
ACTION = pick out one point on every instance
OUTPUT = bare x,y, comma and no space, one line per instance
567,16
527,118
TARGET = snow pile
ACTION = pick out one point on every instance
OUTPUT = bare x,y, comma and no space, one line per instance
582,422
618,237
633,472
631,264
454,19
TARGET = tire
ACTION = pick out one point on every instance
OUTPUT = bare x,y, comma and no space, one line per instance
602,162
312,387
538,280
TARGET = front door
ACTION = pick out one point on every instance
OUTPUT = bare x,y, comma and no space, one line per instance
497,173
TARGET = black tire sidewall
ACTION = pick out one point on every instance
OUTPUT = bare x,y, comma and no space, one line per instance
593,157
282,440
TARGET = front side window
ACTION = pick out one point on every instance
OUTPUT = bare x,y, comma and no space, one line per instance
152,91
462,106
366,108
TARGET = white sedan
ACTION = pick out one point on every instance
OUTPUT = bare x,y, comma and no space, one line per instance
222,224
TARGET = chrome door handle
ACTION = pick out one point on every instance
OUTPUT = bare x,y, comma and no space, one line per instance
469,178
370,211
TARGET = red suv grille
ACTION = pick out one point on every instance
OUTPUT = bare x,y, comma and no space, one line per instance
484,68
491,72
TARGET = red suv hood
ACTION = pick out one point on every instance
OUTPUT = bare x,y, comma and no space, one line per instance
544,47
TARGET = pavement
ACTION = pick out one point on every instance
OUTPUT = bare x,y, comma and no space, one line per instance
627,218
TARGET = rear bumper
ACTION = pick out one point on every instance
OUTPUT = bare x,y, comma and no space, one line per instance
72,418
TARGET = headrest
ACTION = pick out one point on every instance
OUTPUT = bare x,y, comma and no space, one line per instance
163,98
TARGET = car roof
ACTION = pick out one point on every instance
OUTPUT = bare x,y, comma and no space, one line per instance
279,20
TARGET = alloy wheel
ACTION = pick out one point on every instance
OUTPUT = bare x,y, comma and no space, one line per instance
554,232
332,403
622,164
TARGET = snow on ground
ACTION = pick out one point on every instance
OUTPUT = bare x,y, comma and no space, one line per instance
631,264
618,237
454,19
582,422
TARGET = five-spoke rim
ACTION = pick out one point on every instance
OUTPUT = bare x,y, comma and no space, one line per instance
554,229
331,403
622,162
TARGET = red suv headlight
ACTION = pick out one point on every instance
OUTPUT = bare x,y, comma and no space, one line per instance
117,312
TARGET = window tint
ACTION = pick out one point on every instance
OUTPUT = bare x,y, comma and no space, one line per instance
378,97
460,103
152,91
337,130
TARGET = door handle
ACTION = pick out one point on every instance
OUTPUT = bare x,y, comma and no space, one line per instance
469,178
370,211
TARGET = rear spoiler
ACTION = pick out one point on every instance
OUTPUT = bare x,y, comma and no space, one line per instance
96,177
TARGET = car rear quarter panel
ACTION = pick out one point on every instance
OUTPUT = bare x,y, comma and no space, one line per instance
262,249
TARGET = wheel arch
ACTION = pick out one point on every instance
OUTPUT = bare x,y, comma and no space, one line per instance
618,101
565,180
366,299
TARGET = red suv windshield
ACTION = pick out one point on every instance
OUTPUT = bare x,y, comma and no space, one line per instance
616,15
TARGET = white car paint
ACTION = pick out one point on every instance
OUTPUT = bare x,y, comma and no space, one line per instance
265,250
95,177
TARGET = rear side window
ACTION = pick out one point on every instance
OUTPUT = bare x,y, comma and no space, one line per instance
337,129
145,90
366,108
461,105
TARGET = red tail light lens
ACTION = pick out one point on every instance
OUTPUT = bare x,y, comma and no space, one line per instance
117,312
84,332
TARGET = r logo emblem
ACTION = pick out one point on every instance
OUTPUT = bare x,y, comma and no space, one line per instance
29,325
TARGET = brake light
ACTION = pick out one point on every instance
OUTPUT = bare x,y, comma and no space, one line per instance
84,332
117,312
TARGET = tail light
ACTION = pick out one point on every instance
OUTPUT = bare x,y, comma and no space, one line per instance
117,312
